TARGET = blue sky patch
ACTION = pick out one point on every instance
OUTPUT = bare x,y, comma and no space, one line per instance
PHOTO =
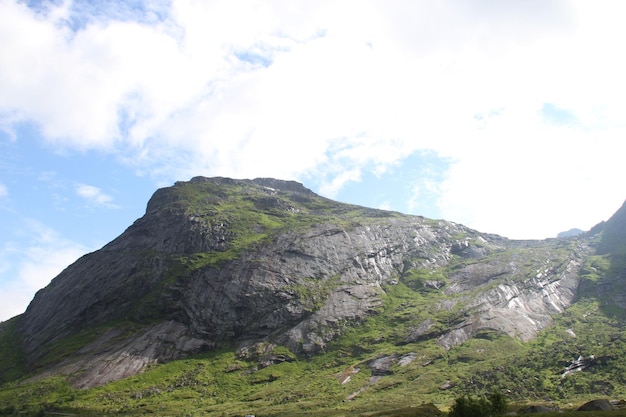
84,12
555,115
409,187
254,58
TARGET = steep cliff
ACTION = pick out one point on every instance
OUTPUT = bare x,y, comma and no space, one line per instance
220,262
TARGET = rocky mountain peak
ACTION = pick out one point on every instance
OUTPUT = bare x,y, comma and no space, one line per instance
212,190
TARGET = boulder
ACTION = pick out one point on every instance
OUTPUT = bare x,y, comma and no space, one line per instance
597,405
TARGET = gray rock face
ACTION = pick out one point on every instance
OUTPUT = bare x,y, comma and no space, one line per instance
219,261
113,356
597,405
423,331
382,366
514,302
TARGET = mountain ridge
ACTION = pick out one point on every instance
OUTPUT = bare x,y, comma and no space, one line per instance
275,272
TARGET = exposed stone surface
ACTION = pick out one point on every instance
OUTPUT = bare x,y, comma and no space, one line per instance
578,365
597,405
422,331
407,358
115,356
518,305
382,366
188,279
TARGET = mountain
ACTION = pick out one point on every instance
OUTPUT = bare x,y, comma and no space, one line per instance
280,277
570,233
612,233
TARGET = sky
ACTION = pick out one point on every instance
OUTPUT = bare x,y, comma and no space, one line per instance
507,117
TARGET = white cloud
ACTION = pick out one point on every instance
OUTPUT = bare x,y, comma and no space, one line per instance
331,188
94,195
534,182
44,255
3,191
326,91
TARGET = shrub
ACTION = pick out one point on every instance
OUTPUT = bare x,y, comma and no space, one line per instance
466,406
498,403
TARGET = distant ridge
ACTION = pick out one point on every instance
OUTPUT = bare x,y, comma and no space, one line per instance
570,233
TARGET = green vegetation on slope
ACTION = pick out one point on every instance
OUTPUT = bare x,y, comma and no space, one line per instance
221,383
11,359
592,327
